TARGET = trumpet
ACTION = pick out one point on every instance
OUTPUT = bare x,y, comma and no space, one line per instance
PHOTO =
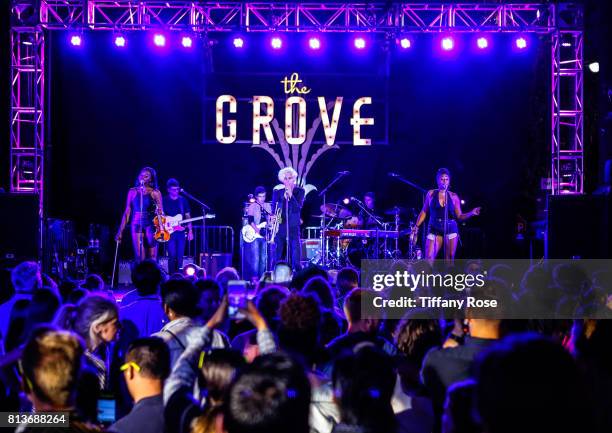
276,223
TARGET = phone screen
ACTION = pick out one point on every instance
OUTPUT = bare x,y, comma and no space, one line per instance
106,410
237,294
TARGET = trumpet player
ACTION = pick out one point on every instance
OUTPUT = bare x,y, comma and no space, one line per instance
288,201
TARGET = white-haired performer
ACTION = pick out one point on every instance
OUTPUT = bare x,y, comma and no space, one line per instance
290,199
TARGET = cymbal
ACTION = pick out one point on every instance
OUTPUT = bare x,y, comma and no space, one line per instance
336,211
396,210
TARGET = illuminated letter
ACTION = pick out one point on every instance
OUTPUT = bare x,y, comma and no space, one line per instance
330,129
259,120
357,121
230,123
289,120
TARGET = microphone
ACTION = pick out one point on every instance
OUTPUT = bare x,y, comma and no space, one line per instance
391,174
344,173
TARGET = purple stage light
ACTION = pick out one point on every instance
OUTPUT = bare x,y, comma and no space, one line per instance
360,43
521,43
405,43
120,41
159,40
276,43
448,43
238,42
482,42
314,43
187,42
76,40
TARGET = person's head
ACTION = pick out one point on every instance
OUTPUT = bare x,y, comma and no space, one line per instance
147,276
42,309
226,274
219,368
299,327
529,384
95,319
486,322
180,298
282,273
93,283
50,364
357,320
271,396
320,287
458,414
416,333
363,386
210,297
368,200
268,302
347,280
147,365
75,296
260,194
443,178
300,277
173,187
26,277
148,177
287,176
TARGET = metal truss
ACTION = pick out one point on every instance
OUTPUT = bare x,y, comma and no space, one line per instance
567,109
32,18
378,17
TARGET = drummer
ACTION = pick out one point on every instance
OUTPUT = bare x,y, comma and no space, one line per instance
366,221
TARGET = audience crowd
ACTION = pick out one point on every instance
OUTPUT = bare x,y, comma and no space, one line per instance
302,355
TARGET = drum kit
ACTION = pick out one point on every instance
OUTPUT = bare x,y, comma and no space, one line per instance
347,241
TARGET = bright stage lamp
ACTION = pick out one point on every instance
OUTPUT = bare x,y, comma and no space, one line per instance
120,41
405,43
187,42
238,42
75,40
448,43
159,40
360,43
482,43
594,67
314,43
521,43
276,43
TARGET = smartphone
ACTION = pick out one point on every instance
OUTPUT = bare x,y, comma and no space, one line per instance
107,409
237,296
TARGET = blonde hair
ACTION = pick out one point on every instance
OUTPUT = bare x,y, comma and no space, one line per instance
51,364
285,171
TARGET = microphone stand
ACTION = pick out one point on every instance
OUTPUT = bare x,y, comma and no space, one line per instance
204,209
422,190
323,194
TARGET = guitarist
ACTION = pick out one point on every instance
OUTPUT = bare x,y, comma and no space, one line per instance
175,205
255,252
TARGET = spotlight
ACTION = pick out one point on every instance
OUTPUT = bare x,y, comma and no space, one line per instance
594,67
276,43
238,42
405,43
360,43
191,269
566,44
187,42
120,41
75,40
462,201
448,43
346,200
482,42
159,40
314,43
521,43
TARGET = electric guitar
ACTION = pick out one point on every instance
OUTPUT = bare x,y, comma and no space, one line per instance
249,234
171,224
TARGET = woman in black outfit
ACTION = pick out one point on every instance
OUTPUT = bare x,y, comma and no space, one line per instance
142,201
442,220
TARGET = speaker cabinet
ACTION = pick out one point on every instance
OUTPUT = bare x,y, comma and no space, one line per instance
21,239
578,227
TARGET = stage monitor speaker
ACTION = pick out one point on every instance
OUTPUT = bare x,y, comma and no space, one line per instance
214,262
578,227
21,239
311,249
